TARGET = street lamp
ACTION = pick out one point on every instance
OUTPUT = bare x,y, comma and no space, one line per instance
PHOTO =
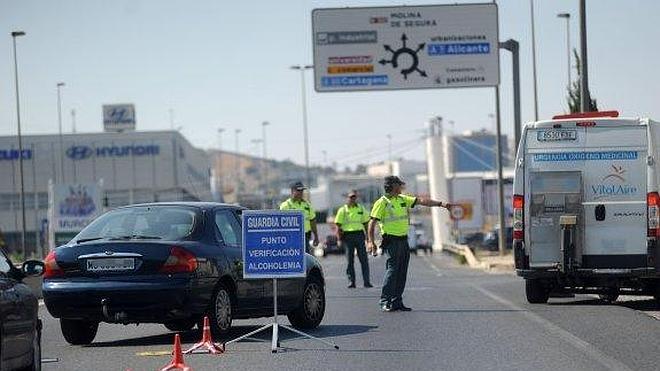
302,69
567,17
220,175
14,35
237,165
389,153
59,123
585,102
264,164
534,80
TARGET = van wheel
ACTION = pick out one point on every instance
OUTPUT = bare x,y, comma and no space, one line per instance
536,292
78,332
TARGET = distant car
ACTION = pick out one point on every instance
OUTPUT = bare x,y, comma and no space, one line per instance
332,246
168,263
491,239
20,327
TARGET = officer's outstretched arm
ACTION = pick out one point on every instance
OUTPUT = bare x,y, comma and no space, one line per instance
433,203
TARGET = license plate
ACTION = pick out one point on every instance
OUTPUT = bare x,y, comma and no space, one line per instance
556,135
110,264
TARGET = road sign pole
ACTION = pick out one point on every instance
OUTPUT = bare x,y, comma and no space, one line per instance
513,46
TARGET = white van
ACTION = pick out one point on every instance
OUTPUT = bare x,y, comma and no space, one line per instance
586,206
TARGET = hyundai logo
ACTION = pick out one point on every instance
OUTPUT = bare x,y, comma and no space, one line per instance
79,152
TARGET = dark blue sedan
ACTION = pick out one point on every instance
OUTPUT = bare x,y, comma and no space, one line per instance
168,263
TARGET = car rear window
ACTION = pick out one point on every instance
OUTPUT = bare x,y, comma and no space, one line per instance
170,223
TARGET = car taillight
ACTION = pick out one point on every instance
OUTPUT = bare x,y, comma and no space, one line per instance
51,269
653,206
518,223
179,261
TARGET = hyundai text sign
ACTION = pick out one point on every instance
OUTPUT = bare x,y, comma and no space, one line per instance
408,47
118,117
83,152
273,244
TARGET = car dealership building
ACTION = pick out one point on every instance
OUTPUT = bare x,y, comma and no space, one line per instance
129,167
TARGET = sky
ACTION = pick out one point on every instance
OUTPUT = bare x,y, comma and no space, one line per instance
225,64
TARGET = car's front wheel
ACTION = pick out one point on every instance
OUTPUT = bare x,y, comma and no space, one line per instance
312,307
78,332
220,313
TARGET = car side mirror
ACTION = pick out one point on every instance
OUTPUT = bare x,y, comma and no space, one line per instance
33,268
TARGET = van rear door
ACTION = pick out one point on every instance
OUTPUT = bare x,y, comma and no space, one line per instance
615,197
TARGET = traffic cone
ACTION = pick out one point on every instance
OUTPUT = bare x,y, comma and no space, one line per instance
177,358
207,341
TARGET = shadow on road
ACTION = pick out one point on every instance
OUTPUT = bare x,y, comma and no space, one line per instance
469,310
265,336
641,305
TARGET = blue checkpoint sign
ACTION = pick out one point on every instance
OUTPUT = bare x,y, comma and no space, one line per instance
273,244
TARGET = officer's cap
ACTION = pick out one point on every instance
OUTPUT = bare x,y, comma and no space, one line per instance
298,186
393,180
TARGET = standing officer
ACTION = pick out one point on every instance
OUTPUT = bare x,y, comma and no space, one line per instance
296,202
351,221
391,212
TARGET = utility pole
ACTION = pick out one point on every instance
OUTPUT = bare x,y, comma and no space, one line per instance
59,123
303,97
585,103
567,17
536,95
14,35
513,46
264,166
220,175
73,121
237,190
389,154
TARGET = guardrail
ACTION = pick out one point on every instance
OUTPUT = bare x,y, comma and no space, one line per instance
466,252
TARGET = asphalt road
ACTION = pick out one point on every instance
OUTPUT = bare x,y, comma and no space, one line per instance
462,320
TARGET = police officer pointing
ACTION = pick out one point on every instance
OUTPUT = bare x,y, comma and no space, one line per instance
391,212
296,202
351,220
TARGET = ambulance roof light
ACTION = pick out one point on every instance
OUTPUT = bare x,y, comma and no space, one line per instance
586,115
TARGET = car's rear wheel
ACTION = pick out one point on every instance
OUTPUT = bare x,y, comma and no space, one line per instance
78,332
312,307
536,291
180,325
220,313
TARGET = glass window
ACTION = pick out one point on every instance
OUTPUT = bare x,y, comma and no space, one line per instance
229,228
170,223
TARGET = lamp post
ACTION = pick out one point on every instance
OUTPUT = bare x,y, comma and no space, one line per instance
264,165
14,35
585,103
237,165
303,96
220,175
59,123
536,96
567,17
389,154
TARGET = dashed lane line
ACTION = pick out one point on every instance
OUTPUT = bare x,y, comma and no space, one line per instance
584,346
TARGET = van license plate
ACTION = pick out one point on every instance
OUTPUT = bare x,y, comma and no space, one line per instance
110,264
556,135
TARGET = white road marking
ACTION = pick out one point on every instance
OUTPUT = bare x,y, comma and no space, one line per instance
586,347
430,264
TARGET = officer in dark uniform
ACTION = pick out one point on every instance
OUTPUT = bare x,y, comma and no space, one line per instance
392,214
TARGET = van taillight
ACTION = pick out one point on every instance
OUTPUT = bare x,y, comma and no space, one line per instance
51,269
653,205
179,261
518,223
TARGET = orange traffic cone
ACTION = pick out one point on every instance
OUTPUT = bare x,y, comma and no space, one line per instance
207,341
177,359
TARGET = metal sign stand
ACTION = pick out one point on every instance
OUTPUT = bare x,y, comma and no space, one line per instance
275,341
